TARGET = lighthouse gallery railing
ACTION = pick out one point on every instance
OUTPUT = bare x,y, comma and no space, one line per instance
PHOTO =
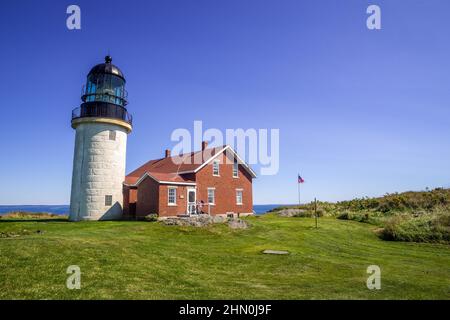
104,110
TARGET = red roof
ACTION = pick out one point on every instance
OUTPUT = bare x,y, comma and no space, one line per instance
169,169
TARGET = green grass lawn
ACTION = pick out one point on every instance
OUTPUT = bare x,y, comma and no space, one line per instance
143,260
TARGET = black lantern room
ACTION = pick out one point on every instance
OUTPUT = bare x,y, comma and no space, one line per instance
104,94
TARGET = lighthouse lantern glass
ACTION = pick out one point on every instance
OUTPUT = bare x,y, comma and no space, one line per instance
105,87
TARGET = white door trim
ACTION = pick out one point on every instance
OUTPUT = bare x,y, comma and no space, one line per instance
187,198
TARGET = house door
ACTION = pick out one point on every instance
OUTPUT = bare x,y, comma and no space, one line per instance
132,208
191,201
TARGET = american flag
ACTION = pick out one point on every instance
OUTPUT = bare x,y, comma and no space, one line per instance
300,179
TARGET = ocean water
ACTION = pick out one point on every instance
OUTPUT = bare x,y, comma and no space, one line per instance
56,209
263,208
64,209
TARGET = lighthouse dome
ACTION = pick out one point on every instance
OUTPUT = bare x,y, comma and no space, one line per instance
106,68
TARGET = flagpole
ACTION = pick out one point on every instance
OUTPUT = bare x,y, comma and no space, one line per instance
298,184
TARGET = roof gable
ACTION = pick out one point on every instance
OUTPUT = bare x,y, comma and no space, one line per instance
175,169
229,152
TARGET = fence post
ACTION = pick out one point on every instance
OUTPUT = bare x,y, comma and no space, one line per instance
315,210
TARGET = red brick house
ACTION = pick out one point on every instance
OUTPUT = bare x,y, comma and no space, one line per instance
214,180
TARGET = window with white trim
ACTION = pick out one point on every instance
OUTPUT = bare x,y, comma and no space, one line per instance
216,171
172,196
235,169
211,195
239,196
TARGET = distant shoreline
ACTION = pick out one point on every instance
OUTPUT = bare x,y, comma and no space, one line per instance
64,209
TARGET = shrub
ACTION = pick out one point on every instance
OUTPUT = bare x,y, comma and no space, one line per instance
432,227
320,212
343,216
151,217
365,217
303,214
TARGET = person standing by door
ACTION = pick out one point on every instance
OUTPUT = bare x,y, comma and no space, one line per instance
200,206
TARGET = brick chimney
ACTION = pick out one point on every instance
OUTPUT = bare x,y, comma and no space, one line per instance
204,145
167,155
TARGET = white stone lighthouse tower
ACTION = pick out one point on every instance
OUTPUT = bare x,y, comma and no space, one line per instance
102,124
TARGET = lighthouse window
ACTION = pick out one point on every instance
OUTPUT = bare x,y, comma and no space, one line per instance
118,94
108,200
112,135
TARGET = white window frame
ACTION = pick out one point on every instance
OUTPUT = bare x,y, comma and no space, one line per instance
168,196
216,162
241,191
235,169
214,196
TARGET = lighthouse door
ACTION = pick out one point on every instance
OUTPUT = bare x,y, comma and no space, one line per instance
191,201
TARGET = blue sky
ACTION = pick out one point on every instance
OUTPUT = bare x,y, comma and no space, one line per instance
360,112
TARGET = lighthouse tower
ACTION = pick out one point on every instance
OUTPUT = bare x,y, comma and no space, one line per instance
102,124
